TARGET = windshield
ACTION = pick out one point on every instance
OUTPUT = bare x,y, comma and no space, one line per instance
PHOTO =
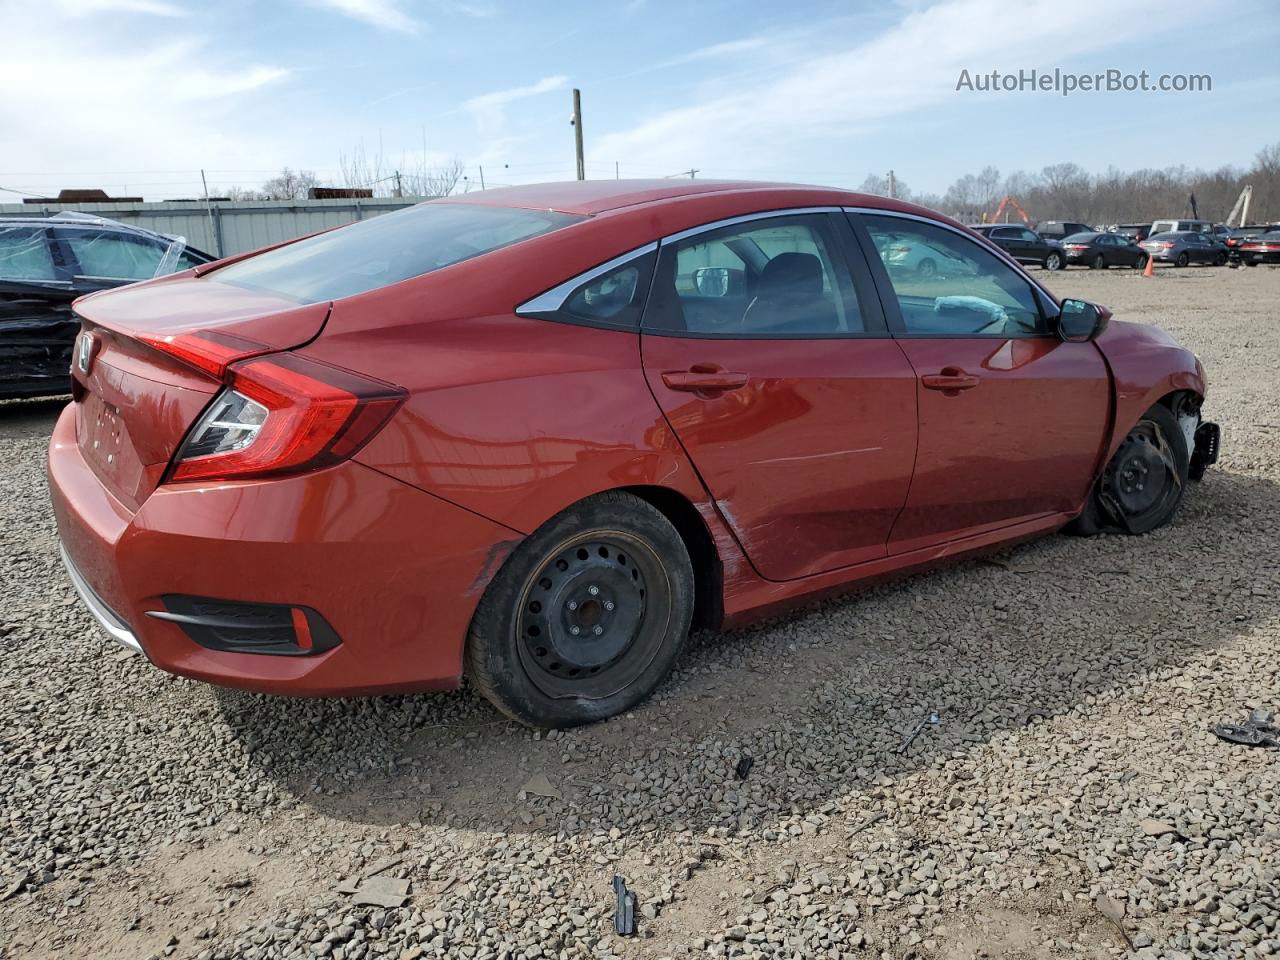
387,249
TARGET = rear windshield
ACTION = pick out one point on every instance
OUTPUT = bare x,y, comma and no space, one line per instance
387,249
1080,238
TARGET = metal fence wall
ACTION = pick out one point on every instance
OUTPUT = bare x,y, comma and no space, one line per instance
226,227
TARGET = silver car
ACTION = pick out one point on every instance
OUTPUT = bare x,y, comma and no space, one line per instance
1185,247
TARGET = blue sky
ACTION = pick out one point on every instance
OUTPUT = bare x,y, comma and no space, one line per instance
141,94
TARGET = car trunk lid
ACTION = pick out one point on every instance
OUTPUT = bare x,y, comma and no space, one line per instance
137,388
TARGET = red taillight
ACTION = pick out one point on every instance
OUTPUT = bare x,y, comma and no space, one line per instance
206,350
316,415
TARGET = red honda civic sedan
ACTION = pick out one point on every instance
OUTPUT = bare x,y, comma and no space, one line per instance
533,435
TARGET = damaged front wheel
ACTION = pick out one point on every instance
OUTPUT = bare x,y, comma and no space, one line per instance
1142,485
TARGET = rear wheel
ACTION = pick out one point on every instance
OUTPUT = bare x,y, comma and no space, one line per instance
1142,485
1182,260
1220,260
1053,261
1099,262
587,615
1140,263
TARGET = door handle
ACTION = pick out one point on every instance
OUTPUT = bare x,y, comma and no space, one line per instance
704,378
950,380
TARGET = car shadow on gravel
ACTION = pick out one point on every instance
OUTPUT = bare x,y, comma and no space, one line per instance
821,701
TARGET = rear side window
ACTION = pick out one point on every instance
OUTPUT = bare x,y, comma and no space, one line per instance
776,277
105,253
24,254
387,249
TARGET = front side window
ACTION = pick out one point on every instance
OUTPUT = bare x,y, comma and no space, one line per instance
24,254
1028,236
118,256
387,249
777,277
947,285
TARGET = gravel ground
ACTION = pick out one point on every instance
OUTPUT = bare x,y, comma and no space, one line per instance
1068,797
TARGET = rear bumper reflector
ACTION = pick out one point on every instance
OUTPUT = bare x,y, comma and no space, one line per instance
262,628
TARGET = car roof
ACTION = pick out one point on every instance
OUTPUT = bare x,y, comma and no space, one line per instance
590,197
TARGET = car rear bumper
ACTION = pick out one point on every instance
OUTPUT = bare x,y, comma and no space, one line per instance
394,571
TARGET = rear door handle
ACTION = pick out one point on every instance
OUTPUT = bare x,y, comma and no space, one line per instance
950,380
704,379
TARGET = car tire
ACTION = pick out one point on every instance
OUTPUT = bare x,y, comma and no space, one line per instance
1220,260
611,566
1099,262
1140,263
1251,263
927,268
1182,260
1052,261
1142,485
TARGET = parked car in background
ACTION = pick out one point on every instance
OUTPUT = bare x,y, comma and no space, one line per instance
45,263
1180,226
1060,229
1136,232
903,253
509,434
1025,246
1183,248
1263,249
1098,251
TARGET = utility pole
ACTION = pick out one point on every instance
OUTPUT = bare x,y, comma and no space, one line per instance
577,132
481,176
208,207
893,186
616,175
399,191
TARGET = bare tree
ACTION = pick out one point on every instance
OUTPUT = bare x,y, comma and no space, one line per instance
414,177
290,185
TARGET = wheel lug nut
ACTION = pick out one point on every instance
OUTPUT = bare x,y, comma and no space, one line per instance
598,630
575,631
608,604
593,590
572,604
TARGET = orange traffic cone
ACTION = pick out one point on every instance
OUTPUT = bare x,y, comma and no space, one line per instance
1150,271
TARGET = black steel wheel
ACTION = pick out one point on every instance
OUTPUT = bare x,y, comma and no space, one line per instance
1143,483
586,616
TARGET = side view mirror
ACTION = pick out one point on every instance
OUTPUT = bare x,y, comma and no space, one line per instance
1080,321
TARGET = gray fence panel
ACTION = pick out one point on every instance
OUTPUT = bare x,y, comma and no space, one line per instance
243,225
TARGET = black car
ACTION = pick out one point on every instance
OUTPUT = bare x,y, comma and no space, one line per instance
1263,249
45,263
1101,250
1025,246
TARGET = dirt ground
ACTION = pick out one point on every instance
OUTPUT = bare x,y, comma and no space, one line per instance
1069,800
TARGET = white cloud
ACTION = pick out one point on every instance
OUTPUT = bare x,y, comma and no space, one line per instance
808,91
385,14
487,109
139,111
